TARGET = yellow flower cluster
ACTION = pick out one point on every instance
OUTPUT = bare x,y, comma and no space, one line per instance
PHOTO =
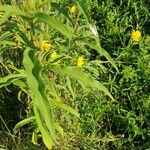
1,14
136,35
73,9
16,38
80,62
53,56
45,45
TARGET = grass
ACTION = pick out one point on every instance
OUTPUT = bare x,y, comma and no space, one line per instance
85,87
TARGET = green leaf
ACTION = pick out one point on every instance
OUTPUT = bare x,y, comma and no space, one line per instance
16,69
12,10
35,136
46,137
65,107
68,83
48,142
23,122
20,84
83,7
59,128
82,77
42,107
10,78
7,43
102,52
53,22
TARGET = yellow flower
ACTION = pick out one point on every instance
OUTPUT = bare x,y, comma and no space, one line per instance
36,43
136,35
53,56
16,38
80,62
1,14
73,9
45,45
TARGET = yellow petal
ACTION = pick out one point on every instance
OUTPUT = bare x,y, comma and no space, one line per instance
80,62
45,45
73,9
136,35
54,55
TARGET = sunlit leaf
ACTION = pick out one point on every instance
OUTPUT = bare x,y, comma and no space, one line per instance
102,52
86,79
83,7
53,22
42,107
10,78
65,107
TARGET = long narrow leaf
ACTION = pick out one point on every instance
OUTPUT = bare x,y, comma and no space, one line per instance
59,26
47,138
65,107
23,122
102,52
12,10
83,7
10,78
84,78
42,107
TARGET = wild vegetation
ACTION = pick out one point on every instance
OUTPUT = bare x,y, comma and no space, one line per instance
74,75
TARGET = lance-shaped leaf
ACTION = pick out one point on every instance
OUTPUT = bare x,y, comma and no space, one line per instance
23,122
65,107
54,23
83,7
10,78
12,10
82,77
102,52
42,107
9,11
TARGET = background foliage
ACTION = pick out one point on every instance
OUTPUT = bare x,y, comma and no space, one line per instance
110,58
